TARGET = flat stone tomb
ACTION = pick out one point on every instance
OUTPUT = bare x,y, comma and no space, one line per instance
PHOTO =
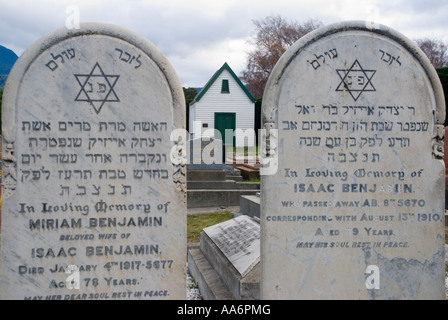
239,241
93,207
356,207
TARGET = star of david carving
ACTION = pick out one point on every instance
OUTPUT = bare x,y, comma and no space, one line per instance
355,80
97,88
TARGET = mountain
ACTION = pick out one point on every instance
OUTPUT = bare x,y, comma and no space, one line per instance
7,60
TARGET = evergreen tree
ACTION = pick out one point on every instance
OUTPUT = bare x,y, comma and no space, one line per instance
443,75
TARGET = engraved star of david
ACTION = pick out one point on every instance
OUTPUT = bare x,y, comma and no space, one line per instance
97,88
356,80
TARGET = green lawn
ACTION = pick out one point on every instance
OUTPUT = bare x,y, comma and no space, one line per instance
197,222
446,234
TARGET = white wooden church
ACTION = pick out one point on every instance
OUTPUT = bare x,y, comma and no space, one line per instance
223,104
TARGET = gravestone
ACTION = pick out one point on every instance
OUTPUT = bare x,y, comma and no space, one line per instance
94,199
239,241
356,207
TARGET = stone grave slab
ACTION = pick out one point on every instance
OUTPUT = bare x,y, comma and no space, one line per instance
94,190
250,206
226,265
239,241
355,209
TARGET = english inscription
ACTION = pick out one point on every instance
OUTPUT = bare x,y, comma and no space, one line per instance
96,212
358,181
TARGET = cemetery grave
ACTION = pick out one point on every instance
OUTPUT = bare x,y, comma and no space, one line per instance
92,181
355,209
96,183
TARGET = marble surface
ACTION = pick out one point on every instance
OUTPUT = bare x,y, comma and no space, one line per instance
89,182
239,241
355,208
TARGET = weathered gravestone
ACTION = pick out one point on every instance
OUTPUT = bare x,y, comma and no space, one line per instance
239,241
355,210
93,207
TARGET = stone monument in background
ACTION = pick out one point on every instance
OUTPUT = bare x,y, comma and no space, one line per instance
356,207
93,206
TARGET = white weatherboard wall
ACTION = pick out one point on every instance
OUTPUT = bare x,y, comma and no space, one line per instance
236,101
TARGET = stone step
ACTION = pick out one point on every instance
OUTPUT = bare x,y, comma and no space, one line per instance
234,178
250,205
220,197
206,175
209,282
228,184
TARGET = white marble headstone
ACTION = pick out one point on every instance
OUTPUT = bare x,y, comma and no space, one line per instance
356,207
92,206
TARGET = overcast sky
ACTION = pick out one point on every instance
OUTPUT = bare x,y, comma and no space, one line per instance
198,36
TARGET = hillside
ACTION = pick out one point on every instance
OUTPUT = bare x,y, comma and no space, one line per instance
7,60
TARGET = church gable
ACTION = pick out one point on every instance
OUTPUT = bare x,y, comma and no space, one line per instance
221,82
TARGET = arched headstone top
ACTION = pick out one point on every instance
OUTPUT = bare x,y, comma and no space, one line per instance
347,29
62,35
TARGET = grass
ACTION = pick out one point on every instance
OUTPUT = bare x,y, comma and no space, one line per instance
243,151
197,222
446,234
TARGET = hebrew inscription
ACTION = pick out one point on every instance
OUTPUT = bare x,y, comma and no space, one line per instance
359,184
92,209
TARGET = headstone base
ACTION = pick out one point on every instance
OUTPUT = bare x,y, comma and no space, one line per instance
250,206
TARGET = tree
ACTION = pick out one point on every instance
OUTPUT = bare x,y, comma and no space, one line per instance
190,94
1,96
436,50
443,75
273,37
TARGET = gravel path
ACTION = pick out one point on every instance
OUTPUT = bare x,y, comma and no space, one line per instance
192,289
